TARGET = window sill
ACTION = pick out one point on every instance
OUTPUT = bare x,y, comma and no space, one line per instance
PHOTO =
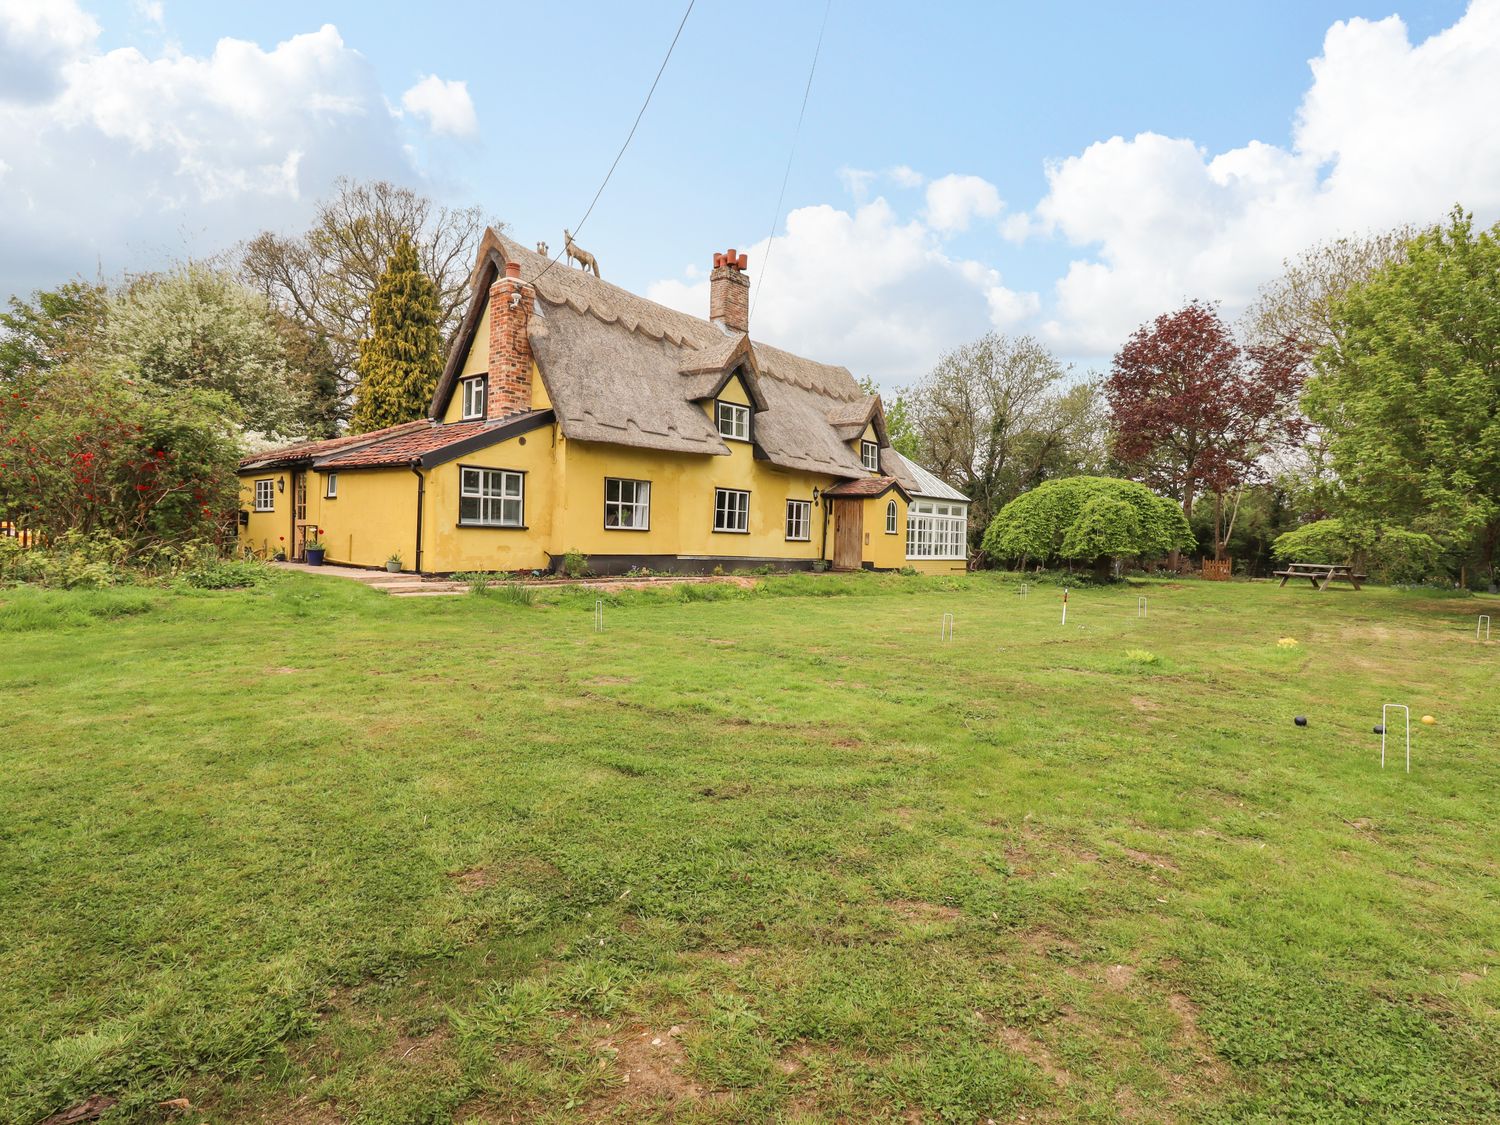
803,539
495,526
608,528
731,531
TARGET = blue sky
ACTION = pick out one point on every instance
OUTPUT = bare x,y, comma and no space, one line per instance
996,93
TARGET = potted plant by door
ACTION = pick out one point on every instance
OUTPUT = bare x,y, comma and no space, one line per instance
393,564
315,548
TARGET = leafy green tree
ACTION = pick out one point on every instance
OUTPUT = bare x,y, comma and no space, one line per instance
92,450
326,278
1392,553
1409,391
898,426
400,360
1092,519
996,416
54,326
198,328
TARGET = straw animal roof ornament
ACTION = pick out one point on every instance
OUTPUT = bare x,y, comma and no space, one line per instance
586,261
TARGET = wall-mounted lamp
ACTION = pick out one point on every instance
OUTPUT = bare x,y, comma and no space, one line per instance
281,484
815,495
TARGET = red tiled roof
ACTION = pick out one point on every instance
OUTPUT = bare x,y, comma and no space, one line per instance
418,441
408,445
309,450
865,486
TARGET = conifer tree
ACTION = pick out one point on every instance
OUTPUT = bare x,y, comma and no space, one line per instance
400,359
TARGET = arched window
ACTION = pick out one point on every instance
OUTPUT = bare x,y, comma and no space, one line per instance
890,518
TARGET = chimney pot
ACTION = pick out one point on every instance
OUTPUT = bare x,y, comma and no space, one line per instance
729,292
512,269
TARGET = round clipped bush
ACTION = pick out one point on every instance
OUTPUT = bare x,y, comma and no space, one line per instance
1089,519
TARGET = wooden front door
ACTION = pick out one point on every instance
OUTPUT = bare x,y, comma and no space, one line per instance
299,516
848,534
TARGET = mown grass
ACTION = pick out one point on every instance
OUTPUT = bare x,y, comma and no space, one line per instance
307,852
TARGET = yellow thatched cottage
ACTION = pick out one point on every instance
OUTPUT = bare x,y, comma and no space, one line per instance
574,416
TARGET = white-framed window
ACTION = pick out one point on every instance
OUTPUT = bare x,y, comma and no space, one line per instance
265,496
890,518
869,455
733,420
491,497
474,397
935,530
799,519
330,486
732,510
627,504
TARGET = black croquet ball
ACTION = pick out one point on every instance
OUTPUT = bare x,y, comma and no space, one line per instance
1380,730
1300,720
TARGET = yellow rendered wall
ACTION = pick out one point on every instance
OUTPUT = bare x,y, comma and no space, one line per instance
882,551
447,547
453,412
267,531
682,503
477,362
938,566
733,391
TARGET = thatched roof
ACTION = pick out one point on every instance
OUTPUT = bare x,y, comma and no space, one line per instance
625,370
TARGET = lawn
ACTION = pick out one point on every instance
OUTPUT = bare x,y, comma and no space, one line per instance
309,853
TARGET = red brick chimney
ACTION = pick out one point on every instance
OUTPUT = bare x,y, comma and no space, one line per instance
511,302
729,292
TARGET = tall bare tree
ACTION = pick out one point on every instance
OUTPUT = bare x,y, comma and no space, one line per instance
324,278
994,419
1298,305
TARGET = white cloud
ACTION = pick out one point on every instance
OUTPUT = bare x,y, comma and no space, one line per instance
445,105
152,11
857,182
864,288
119,159
954,201
1387,133
37,39
903,176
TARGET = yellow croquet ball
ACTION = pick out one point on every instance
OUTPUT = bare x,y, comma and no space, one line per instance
1428,719
1287,642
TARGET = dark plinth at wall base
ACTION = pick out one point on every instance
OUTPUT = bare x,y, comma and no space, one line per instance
610,566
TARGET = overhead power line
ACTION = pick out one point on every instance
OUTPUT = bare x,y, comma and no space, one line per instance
628,138
796,133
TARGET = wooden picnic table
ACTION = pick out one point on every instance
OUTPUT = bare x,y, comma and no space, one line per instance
1321,574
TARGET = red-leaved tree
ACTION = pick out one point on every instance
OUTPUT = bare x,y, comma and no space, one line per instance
1195,412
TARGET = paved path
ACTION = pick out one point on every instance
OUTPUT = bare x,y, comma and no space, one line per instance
414,586
397,585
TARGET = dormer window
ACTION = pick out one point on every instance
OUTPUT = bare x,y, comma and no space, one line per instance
869,455
474,396
733,420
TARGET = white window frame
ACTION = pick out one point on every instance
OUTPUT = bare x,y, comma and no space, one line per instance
890,517
732,511
466,387
498,492
798,518
738,418
628,499
937,530
266,503
330,486
869,455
